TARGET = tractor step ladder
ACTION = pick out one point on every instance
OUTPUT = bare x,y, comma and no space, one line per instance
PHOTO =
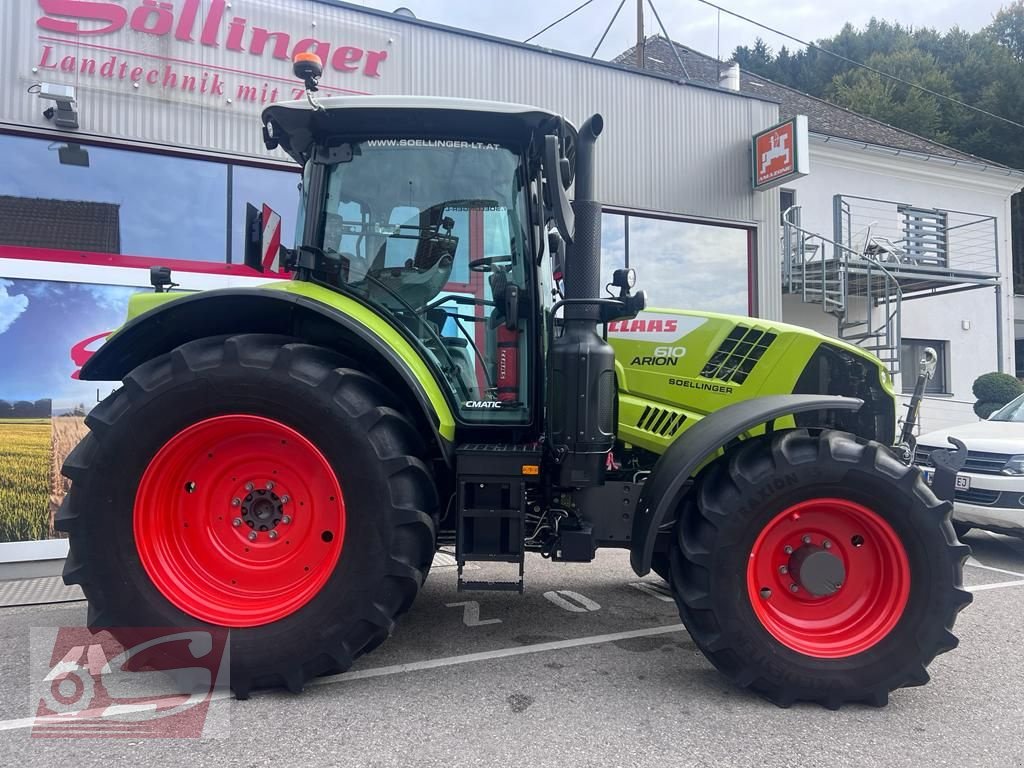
491,497
853,286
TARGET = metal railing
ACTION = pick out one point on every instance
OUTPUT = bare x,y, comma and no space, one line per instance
856,287
907,236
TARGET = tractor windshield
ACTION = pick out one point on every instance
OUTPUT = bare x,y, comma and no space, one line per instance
433,232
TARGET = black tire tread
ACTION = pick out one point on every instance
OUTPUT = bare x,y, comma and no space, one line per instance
704,510
397,446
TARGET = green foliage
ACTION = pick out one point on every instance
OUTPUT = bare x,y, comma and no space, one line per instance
984,408
1007,29
998,388
984,69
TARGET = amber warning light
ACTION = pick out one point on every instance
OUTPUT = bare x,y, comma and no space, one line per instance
308,68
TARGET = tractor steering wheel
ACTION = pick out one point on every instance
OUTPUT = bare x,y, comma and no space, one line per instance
485,264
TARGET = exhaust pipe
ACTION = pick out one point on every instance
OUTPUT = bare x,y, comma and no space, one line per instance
581,364
583,254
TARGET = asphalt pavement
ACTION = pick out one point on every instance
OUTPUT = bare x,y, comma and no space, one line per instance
590,667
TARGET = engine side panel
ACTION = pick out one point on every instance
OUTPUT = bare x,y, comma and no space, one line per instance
674,367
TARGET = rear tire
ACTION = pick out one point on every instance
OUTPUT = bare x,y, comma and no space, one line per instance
661,564
365,552
782,496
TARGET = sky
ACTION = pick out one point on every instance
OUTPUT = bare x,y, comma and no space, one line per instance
688,21
39,323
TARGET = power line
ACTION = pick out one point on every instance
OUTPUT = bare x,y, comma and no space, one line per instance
579,7
868,67
608,28
671,44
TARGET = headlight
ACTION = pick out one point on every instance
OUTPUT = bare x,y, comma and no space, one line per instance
1014,465
624,278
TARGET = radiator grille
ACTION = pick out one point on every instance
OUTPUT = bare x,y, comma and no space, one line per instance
738,354
980,462
660,421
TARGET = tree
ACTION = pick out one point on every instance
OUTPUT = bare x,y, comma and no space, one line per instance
1007,28
983,69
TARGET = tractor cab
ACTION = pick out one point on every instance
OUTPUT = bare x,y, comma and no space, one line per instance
431,212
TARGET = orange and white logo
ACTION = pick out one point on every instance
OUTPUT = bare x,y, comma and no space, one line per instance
775,155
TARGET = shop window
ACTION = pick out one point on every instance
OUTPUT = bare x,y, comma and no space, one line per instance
613,246
111,201
687,265
911,352
787,199
256,186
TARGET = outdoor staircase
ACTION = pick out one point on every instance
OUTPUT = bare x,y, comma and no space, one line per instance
855,287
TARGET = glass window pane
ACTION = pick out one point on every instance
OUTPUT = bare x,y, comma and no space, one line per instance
256,186
613,246
684,265
122,202
911,353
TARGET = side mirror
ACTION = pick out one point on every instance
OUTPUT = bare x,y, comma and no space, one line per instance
262,238
561,209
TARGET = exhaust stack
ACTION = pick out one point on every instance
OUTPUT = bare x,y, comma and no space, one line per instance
581,363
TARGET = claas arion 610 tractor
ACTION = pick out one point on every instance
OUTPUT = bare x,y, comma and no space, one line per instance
444,369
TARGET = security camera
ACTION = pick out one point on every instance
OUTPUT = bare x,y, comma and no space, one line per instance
57,93
63,113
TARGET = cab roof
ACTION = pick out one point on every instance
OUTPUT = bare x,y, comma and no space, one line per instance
297,127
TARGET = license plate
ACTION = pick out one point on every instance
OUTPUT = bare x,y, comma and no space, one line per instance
963,482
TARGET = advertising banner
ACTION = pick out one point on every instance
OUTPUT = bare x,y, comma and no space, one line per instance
42,405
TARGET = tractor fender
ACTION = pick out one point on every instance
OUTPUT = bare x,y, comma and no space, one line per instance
667,485
255,310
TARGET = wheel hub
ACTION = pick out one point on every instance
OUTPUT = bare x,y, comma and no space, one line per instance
828,577
262,510
817,570
239,520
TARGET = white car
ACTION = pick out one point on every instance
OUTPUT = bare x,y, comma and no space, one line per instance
990,488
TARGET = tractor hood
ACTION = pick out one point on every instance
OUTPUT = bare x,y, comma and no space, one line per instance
296,127
675,366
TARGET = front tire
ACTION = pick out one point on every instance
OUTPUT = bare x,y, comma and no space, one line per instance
255,483
817,568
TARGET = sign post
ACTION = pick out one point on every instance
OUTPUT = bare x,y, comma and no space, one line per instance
780,153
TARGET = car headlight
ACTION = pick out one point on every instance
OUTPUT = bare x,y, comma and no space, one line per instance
1014,465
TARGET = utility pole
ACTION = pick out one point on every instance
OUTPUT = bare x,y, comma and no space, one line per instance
640,57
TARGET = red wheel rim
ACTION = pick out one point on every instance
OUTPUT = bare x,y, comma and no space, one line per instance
862,609
239,520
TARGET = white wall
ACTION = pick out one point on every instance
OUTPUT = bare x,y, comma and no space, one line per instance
850,170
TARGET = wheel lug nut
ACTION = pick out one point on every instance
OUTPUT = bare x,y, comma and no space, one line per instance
826,544
272,534
270,485
237,522
783,569
787,549
794,588
249,486
286,519
807,539
236,502
285,499
252,535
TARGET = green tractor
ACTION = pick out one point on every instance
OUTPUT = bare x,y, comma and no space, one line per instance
443,370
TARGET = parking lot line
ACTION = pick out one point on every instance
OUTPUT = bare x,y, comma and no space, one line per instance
999,585
975,564
394,669
500,653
